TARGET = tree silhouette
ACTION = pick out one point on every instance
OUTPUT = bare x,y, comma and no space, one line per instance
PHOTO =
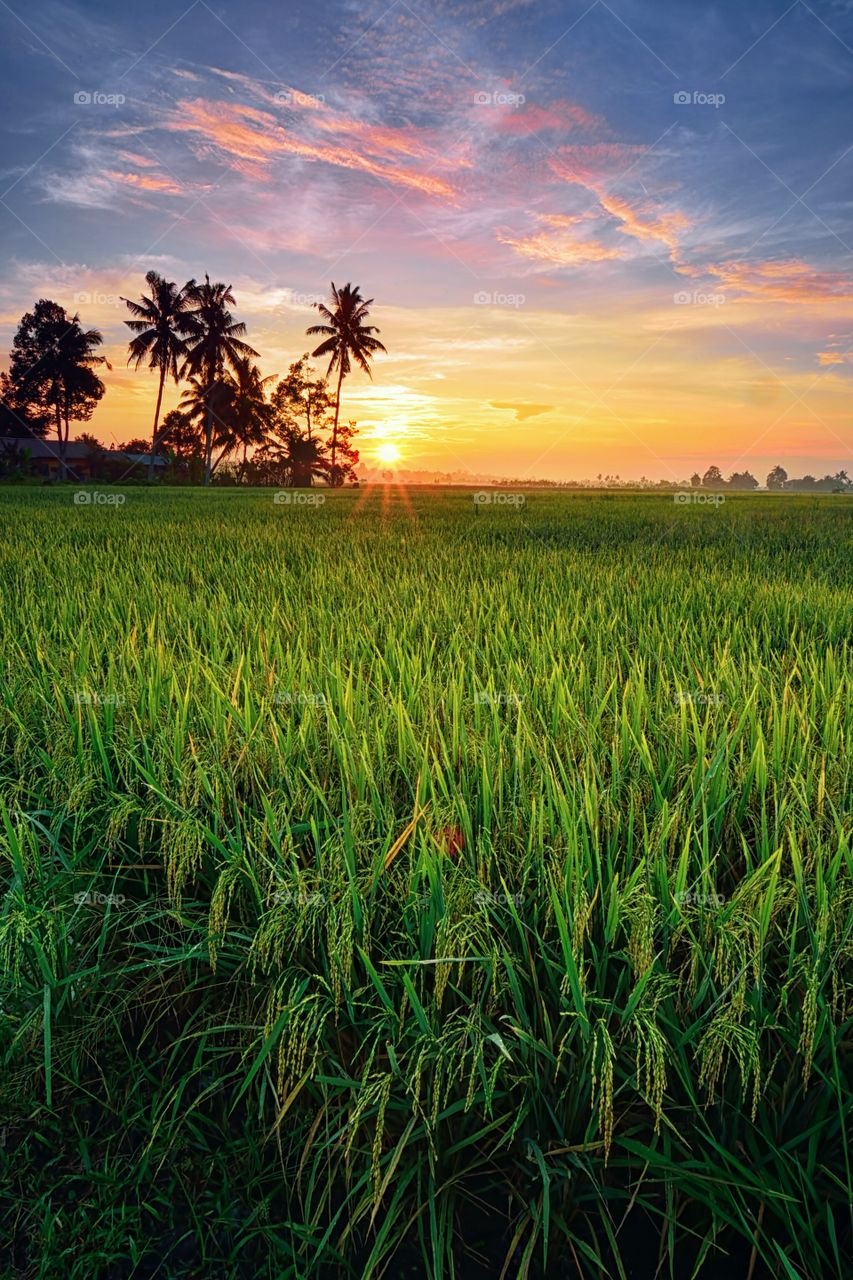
742,480
777,478
348,340
52,369
713,479
247,410
306,459
215,343
302,397
161,323
206,409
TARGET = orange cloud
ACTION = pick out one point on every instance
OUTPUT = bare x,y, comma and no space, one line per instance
664,227
144,182
560,244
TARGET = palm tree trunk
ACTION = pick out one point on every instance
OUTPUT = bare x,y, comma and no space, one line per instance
335,427
156,422
208,442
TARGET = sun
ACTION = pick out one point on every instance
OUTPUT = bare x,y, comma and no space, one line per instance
388,453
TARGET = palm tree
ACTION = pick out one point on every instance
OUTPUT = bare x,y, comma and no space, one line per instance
347,339
305,458
161,324
250,414
208,408
215,343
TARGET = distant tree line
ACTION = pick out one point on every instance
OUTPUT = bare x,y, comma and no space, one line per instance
777,480
189,334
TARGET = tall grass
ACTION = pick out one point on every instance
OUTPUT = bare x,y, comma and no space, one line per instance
400,886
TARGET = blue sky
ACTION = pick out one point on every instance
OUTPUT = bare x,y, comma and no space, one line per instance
601,237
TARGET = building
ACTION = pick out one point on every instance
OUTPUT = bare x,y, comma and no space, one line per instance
83,461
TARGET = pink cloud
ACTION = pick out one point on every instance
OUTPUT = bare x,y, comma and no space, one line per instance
791,280
533,118
254,138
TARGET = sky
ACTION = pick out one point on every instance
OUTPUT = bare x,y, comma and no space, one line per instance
602,237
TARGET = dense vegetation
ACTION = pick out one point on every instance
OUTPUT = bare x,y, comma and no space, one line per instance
397,884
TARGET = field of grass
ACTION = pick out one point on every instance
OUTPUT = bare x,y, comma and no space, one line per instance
401,886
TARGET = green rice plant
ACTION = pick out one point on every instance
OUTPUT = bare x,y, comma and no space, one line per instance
400,885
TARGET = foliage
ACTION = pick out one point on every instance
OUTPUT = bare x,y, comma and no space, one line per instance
52,369
348,341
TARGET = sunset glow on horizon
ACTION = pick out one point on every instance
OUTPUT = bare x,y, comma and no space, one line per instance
606,238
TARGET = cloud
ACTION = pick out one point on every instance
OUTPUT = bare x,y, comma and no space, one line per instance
588,166
790,280
560,244
144,182
536,118
523,410
235,132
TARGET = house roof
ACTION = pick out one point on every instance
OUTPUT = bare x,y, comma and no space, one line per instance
75,451
45,448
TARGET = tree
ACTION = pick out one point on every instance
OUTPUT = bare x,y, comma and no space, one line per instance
348,340
777,478
52,369
215,343
695,480
347,455
713,479
742,480
301,396
182,441
182,437
249,413
161,324
206,409
16,419
306,459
